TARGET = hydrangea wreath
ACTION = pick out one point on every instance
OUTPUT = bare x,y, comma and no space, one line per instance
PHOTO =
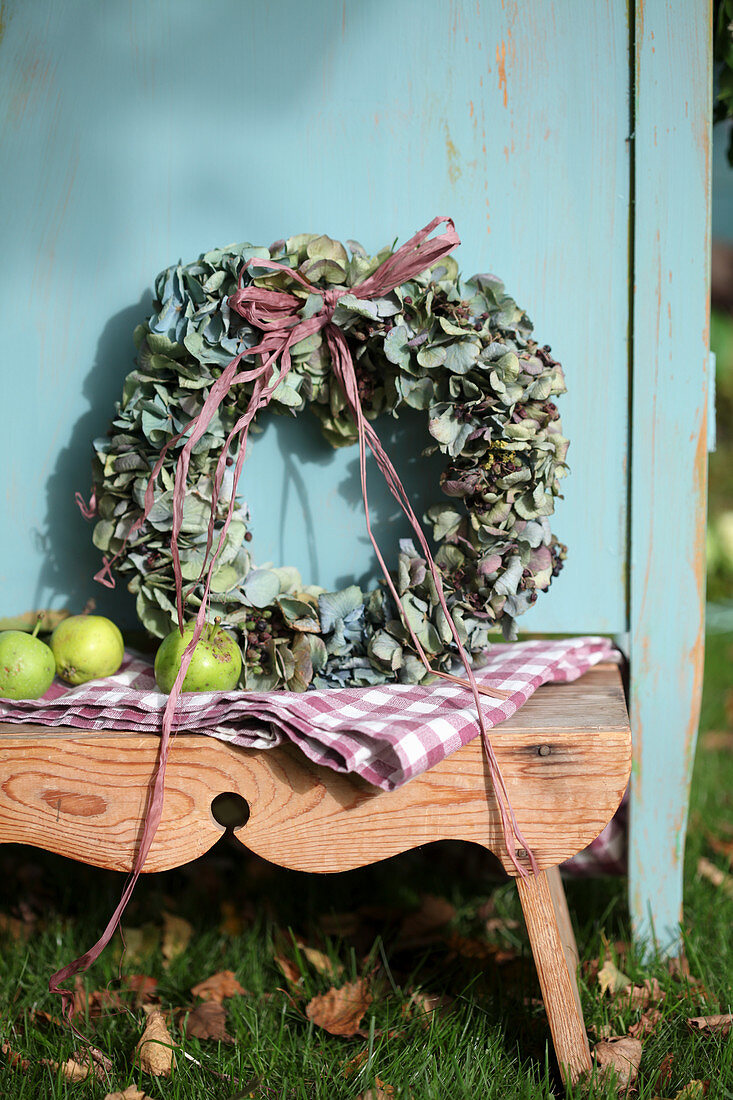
460,350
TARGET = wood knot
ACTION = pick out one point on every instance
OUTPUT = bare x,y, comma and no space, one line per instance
544,750
75,803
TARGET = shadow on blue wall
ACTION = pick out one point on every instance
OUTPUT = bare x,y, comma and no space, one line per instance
70,559
282,463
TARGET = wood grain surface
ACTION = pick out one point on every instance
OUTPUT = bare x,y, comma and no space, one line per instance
559,990
83,794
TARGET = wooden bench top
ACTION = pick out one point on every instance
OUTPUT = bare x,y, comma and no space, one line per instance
565,757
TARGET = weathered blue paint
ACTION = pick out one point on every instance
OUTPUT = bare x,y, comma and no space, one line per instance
669,444
135,134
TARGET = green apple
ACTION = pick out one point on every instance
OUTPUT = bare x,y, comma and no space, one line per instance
27,666
86,647
215,664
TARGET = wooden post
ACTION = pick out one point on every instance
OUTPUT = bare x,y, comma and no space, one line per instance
565,925
559,989
671,272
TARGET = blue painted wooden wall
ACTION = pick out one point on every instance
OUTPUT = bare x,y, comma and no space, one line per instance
136,134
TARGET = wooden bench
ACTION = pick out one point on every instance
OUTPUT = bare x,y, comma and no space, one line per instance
565,756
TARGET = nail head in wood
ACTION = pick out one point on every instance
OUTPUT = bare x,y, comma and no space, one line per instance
544,750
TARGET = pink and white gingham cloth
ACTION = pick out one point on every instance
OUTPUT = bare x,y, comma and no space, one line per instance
386,734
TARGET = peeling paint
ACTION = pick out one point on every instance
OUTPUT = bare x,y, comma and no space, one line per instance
454,166
501,64
34,84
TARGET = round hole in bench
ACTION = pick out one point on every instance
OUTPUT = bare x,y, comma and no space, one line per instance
230,810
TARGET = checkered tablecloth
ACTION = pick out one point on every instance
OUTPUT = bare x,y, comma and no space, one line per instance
386,734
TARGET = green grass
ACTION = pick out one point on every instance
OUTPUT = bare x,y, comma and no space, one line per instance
493,1041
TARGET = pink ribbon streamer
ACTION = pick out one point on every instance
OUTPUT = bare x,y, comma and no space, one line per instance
89,510
276,314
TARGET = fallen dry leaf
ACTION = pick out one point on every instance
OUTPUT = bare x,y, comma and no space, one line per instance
132,1092
589,969
601,1031
14,928
611,979
166,1013
15,1061
289,969
142,941
721,1023
381,1091
679,968
647,1025
102,1002
208,1021
40,1014
721,847
621,1055
234,919
693,1090
717,741
421,1005
155,1047
486,909
640,996
433,915
72,1070
713,874
177,934
340,1011
142,986
665,1072
81,1064
468,947
351,1065
500,924
97,1003
621,948
218,986
320,961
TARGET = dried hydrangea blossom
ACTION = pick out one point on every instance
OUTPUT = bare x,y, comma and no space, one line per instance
459,350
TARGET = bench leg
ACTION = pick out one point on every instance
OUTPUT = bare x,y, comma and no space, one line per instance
557,978
565,926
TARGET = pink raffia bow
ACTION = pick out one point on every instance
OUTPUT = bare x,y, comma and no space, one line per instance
277,314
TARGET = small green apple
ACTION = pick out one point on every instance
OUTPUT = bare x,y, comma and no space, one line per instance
86,647
215,664
27,666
